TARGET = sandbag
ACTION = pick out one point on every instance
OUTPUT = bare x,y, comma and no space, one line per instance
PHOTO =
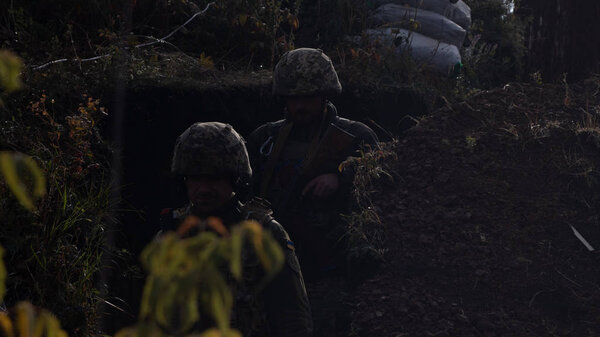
431,24
459,12
441,56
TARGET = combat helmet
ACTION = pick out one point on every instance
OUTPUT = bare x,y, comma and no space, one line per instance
305,71
211,148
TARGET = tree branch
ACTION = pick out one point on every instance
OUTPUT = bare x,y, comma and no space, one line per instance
161,40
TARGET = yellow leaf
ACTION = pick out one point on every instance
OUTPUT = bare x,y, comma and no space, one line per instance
206,61
216,297
217,225
143,329
293,21
255,231
188,223
267,249
8,168
25,319
6,325
39,325
50,326
235,262
190,311
10,70
217,333
242,19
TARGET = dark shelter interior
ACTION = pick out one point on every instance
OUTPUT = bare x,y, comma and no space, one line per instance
148,146
153,118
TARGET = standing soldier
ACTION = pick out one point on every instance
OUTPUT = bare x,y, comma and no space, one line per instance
213,161
297,168
296,160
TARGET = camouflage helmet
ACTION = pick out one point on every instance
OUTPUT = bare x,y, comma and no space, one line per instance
211,148
305,71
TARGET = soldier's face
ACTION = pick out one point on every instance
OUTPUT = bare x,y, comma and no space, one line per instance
208,193
304,110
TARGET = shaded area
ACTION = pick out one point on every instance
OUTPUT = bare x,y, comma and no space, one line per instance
478,220
155,114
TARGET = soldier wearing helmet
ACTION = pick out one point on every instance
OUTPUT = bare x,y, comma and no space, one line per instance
213,161
296,160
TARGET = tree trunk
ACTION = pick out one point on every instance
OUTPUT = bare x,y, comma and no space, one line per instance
564,37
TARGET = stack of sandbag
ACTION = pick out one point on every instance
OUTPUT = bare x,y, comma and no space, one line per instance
459,12
440,55
431,30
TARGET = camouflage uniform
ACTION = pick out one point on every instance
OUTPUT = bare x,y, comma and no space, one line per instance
313,223
304,72
281,308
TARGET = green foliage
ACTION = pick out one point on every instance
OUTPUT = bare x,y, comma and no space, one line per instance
260,21
233,34
27,322
188,277
184,273
46,27
497,44
56,251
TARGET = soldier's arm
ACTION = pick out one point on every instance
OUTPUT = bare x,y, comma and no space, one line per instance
285,298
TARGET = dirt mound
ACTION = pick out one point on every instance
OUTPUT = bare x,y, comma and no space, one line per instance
478,220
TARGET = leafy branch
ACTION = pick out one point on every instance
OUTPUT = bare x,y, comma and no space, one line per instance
188,276
141,45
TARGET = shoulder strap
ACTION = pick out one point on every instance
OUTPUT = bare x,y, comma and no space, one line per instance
282,136
260,210
257,209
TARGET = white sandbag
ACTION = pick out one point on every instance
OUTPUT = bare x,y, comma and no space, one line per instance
441,56
430,23
458,12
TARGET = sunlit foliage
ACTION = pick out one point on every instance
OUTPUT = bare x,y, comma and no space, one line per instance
189,277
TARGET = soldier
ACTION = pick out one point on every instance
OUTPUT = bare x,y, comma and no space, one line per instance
296,160
213,161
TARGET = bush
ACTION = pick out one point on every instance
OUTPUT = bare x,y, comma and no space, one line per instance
54,253
235,33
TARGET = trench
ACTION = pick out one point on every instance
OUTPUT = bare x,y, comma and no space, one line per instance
155,115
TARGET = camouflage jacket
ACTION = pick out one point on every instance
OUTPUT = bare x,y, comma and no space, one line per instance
260,145
281,308
314,223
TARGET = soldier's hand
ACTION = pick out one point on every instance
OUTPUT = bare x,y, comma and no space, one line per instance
322,186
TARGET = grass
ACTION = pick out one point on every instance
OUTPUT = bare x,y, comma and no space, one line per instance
365,234
54,254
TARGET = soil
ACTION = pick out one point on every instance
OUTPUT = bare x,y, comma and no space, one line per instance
478,220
